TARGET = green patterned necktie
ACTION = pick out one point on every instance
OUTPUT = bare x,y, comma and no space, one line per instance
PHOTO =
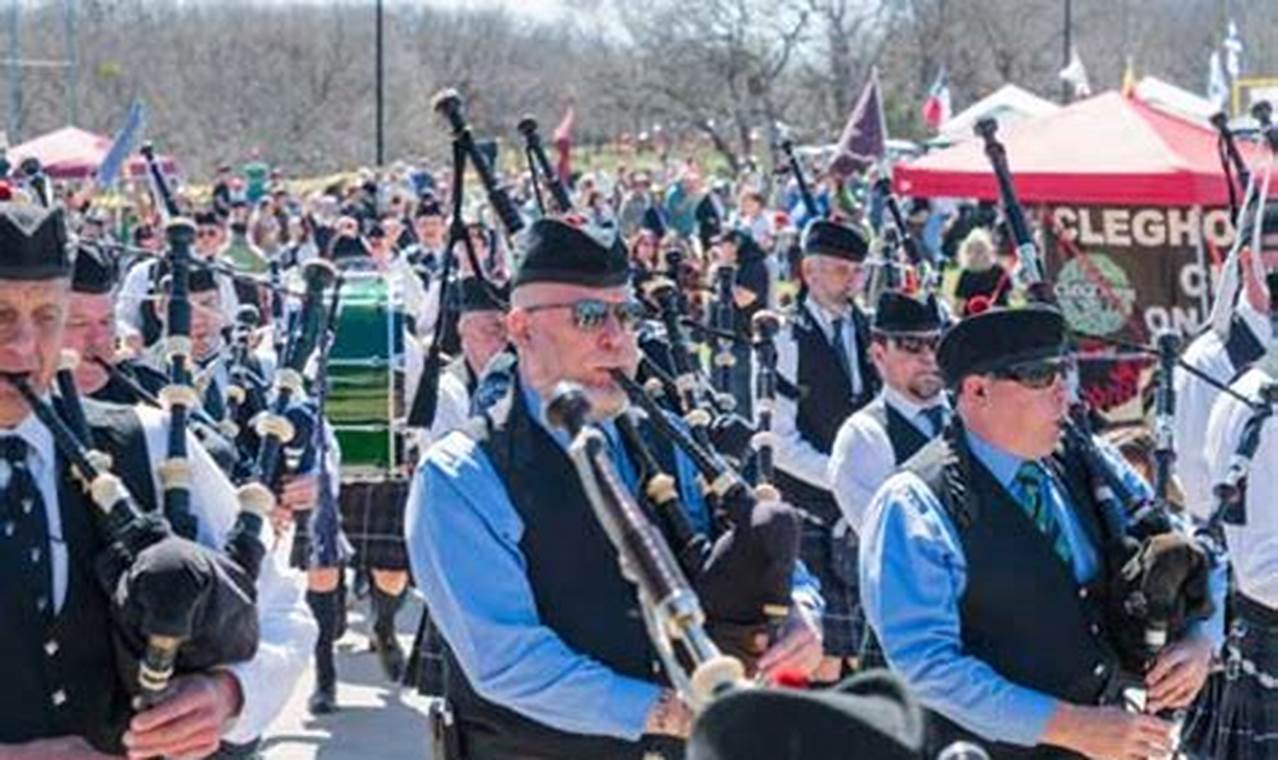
1032,480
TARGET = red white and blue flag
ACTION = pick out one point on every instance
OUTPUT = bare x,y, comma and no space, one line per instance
936,109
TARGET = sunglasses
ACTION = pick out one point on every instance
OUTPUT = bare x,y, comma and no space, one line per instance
1036,375
916,344
206,233
591,314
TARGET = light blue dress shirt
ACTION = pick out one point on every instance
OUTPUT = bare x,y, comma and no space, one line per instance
913,576
463,538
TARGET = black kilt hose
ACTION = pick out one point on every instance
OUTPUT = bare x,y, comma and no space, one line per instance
1236,717
373,521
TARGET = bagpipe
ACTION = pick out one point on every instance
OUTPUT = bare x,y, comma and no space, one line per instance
736,716
1157,575
671,608
743,573
448,103
178,606
540,170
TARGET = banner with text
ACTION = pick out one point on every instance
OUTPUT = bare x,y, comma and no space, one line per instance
1126,274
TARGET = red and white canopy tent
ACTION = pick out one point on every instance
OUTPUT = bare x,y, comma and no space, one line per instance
74,153
1108,149
1132,203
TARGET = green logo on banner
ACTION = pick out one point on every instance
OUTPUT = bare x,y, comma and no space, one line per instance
1094,294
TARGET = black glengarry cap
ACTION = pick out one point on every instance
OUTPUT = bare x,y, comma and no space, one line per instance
827,238
899,313
477,295
94,270
33,242
555,251
999,338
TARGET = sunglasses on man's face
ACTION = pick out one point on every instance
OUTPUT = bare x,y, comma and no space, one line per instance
916,344
207,232
1036,375
591,314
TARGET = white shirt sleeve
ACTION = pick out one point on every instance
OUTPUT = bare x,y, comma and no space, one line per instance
133,293
1194,401
287,629
860,462
793,454
1253,548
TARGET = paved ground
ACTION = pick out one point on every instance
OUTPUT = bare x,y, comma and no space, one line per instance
375,720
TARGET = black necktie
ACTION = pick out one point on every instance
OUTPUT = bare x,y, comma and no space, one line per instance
936,418
213,402
25,527
839,346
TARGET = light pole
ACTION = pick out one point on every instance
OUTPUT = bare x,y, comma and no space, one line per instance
380,94
73,69
1067,56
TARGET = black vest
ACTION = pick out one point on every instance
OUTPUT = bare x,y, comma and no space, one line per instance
1242,347
827,400
60,672
117,392
1022,612
905,438
223,452
578,587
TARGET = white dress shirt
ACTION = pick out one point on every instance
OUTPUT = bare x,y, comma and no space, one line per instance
862,458
288,630
1253,548
796,456
136,291
1194,401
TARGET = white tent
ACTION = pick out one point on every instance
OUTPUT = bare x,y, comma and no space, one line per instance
1009,104
1166,96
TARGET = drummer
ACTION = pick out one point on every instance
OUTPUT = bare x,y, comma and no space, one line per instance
372,507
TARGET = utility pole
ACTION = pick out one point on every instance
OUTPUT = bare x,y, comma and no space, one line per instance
73,67
15,73
381,94
1067,54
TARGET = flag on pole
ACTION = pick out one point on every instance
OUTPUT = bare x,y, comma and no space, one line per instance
864,138
134,124
1129,78
1075,74
1233,52
936,109
562,139
1217,87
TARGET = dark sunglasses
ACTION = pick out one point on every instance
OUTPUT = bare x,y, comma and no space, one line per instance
590,314
916,344
207,232
1036,375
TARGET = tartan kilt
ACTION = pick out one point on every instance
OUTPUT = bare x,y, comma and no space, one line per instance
299,556
1236,717
833,561
373,521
